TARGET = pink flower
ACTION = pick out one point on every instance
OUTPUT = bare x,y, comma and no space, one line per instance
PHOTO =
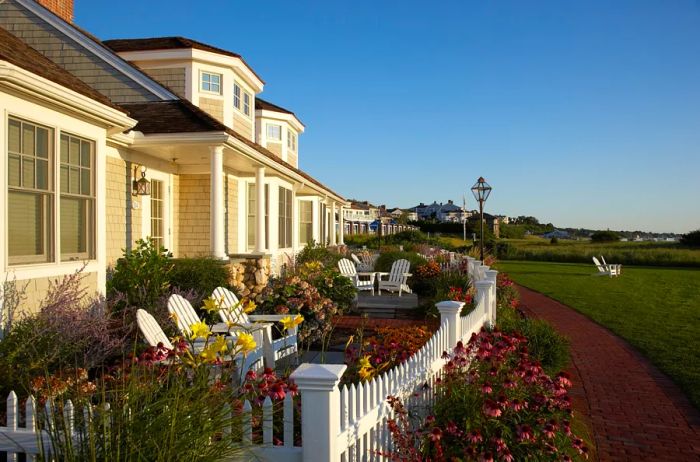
564,379
524,432
475,436
435,434
486,388
491,408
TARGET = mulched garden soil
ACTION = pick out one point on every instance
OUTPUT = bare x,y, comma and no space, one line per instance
636,412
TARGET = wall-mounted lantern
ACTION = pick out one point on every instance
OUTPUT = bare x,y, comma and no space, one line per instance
141,187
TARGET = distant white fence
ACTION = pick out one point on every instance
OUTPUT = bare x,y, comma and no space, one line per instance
337,425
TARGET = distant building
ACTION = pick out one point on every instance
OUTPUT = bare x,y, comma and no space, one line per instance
558,233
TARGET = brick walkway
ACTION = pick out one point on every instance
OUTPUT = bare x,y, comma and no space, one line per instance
636,412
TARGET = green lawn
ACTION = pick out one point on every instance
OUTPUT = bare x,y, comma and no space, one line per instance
657,310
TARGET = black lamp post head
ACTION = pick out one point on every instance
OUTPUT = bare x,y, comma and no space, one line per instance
481,190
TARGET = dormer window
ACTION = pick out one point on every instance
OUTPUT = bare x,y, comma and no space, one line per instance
210,82
291,140
237,96
274,132
246,103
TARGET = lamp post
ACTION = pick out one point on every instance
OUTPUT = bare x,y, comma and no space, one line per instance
481,191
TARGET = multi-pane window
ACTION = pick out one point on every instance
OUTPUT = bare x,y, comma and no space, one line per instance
252,213
306,225
237,96
157,221
291,140
77,197
30,192
211,82
34,226
246,103
285,218
274,132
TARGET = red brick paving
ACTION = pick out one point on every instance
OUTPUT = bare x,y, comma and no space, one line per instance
636,412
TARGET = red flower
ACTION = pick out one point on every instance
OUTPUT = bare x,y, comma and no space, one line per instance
475,436
486,388
525,432
435,434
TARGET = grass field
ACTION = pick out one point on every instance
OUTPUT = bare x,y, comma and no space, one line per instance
657,310
628,253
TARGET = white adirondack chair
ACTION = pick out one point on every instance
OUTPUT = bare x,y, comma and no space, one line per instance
185,316
616,268
604,270
347,269
365,262
231,311
151,330
398,276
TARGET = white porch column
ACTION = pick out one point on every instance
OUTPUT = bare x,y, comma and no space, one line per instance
333,224
260,212
216,203
341,228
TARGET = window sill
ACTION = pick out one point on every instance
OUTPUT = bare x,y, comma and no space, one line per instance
42,270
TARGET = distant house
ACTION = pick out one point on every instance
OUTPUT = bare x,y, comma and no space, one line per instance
446,213
558,233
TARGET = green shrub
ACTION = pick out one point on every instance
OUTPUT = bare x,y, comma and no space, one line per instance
142,275
317,252
605,236
201,275
554,240
692,239
329,283
386,259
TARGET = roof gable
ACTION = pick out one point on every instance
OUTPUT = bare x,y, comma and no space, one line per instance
79,53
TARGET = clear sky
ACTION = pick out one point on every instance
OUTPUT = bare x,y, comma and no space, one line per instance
581,113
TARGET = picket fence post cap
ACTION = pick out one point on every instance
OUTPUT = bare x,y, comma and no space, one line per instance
449,306
491,273
318,377
483,284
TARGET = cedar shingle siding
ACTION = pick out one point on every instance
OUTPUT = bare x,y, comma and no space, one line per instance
70,55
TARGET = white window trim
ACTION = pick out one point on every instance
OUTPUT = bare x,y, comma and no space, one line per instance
167,207
267,132
56,267
209,92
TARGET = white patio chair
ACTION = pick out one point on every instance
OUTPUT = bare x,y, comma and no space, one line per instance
365,263
231,311
603,270
185,316
398,277
348,270
616,268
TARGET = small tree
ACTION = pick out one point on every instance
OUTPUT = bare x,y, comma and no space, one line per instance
605,236
692,239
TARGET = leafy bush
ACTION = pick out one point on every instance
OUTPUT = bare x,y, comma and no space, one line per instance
291,294
329,283
201,275
605,236
691,239
69,330
493,401
386,259
142,275
314,252
554,240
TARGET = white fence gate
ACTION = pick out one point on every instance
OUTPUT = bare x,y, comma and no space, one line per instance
337,425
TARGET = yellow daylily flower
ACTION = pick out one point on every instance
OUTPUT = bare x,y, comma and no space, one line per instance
219,345
288,322
199,329
249,306
212,305
364,363
246,342
230,324
208,354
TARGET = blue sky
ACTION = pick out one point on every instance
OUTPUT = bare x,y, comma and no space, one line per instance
581,113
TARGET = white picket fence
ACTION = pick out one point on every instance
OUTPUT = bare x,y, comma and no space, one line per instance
345,424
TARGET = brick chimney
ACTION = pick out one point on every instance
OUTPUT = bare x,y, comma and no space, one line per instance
62,8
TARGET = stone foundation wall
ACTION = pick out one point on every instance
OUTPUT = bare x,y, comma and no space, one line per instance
249,276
